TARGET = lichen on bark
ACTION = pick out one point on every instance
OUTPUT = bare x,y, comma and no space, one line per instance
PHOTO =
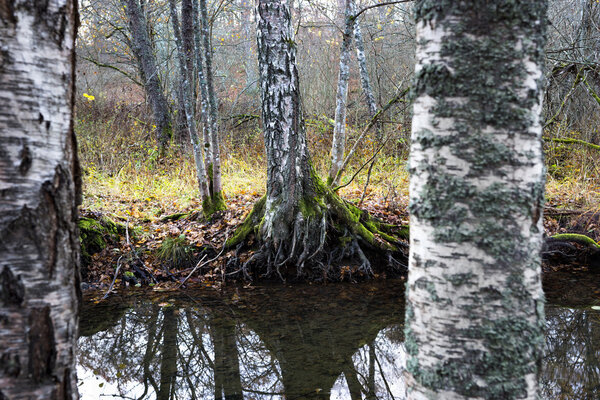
476,199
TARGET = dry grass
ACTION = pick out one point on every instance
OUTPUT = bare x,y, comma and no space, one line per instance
124,175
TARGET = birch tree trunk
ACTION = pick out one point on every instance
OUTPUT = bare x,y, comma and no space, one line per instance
39,180
188,42
364,74
214,172
300,222
475,313
189,113
142,49
339,130
203,86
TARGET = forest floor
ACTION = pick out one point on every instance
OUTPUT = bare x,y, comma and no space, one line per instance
155,199
163,236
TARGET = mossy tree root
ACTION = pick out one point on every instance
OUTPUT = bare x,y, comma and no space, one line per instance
323,233
577,238
213,204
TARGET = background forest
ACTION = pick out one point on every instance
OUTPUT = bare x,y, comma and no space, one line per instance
138,166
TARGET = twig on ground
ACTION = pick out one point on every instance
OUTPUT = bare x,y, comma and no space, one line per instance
114,279
200,264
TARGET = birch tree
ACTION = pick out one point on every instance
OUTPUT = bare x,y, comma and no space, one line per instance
214,170
302,226
187,91
207,159
475,306
338,143
364,74
39,177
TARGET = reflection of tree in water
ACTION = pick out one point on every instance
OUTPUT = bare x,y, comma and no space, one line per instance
572,361
292,343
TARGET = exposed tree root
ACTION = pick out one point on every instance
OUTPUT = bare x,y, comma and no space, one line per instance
572,248
323,238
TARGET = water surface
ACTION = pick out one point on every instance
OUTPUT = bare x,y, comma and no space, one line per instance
300,342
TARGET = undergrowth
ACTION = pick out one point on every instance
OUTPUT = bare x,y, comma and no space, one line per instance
124,174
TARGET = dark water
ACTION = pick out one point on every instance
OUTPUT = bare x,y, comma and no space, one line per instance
309,342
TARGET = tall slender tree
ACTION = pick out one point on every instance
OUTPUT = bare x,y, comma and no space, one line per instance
141,47
187,90
300,222
338,144
214,170
365,81
39,177
207,157
475,313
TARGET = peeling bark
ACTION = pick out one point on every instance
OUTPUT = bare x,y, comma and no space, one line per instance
475,313
39,178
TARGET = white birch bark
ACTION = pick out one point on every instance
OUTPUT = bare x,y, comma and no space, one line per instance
339,130
474,319
212,102
39,176
288,170
205,113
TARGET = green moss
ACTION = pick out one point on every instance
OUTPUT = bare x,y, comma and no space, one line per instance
213,204
581,239
94,236
250,223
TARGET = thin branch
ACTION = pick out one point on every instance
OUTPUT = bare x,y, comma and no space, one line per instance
103,65
201,264
364,165
397,98
388,3
562,104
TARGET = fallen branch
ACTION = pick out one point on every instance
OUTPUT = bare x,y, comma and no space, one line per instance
201,264
572,141
114,279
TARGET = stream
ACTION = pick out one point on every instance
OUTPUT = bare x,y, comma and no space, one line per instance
339,341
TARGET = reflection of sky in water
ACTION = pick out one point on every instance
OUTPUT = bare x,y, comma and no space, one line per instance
351,352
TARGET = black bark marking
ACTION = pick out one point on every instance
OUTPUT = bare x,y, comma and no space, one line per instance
7,12
26,159
42,347
10,365
4,58
50,191
12,291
